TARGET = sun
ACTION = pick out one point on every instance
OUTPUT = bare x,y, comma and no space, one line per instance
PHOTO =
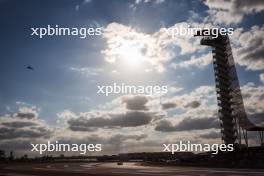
130,53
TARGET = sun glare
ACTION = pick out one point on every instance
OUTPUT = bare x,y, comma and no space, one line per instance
131,54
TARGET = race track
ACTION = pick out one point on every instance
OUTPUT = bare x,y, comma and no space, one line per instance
128,169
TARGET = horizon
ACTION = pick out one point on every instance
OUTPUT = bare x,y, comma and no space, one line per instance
50,84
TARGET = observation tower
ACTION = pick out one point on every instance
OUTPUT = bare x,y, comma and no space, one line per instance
232,115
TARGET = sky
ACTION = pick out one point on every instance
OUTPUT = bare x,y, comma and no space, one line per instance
58,100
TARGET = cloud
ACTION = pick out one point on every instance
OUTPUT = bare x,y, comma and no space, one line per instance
223,17
25,115
254,102
178,36
173,89
198,111
18,130
15,127
193,104
149,1
125,43
148,48
89,121
261,77
66,115
202,95
112,143
25,111
87,1
232,11
237,6
168,105
180,103
23,124
197,115
122,112
77,7
136,102
199,62
257,119
122,128
248,47
118,139
87,71
188,124
211,135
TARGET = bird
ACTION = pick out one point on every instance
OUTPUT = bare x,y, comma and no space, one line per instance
30,67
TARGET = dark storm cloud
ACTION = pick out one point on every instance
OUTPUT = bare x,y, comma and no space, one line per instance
27,115
6,133
136,102
168,105
13,128
188,124
193,104
89,121
18,124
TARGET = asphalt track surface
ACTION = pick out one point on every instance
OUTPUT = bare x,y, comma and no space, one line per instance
112,169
